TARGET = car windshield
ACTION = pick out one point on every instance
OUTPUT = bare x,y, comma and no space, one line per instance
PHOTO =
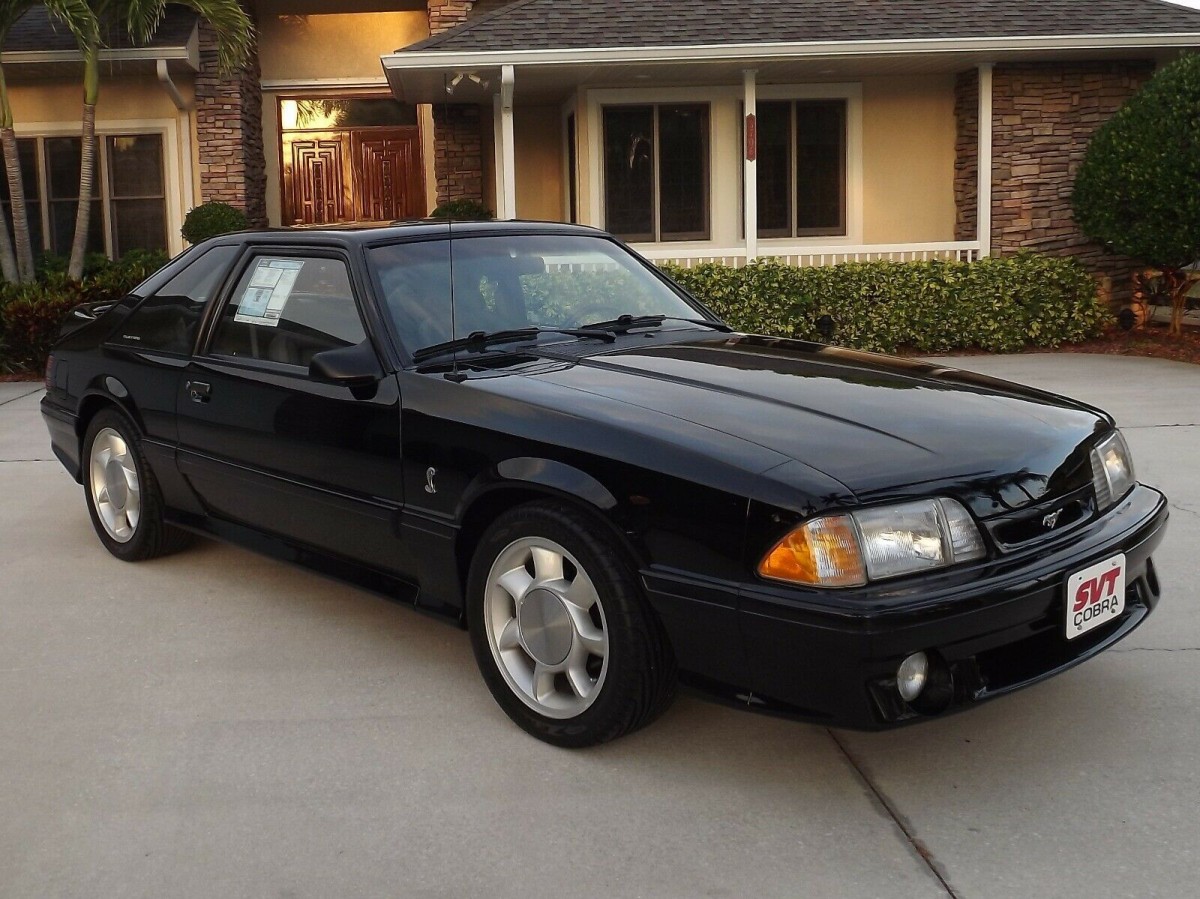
508,282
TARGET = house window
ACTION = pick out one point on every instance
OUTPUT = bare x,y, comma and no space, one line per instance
62,158
656,174
129,209
802,168
137,193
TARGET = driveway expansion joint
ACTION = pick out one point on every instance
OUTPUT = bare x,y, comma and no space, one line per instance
922,851
13,399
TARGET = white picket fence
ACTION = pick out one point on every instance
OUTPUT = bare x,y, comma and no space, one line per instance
803,256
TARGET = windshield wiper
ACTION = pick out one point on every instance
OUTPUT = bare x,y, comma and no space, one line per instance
626,323
481,340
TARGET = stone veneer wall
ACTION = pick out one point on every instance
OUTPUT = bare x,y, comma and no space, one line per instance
457,138
458,153
966,155
233,167
445,14
1043,115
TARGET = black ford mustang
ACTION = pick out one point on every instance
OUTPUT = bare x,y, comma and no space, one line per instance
531,431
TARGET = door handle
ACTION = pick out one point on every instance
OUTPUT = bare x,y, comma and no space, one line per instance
199,391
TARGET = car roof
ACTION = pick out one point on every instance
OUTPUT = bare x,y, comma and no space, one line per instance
355,235
370,233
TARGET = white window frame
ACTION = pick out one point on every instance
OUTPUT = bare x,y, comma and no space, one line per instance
721,99
851,93
176,182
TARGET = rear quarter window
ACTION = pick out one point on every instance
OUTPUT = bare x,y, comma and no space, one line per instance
167,321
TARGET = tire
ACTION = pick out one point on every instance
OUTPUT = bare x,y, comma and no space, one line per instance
123,496
562,634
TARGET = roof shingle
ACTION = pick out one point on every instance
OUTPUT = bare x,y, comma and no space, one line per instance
578,24
36,31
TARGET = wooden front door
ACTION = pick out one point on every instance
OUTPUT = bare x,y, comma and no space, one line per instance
316,189
358,174
388,182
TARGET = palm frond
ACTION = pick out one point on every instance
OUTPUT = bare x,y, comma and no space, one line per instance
233,28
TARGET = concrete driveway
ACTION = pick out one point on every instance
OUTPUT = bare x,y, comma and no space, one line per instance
217,724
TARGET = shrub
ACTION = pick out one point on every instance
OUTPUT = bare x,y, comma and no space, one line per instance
997,304
1136,190
49,264
212,220
30,318
116,279
462,210
31,315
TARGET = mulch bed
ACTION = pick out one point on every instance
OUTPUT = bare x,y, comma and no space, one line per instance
1152,340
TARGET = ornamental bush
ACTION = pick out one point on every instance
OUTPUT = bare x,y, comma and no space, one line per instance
997,304
1138,188
31,315
30,318
462,210
213,220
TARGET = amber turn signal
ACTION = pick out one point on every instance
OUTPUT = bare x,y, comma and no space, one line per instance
822,553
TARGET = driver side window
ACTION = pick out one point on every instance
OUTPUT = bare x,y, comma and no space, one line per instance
286,309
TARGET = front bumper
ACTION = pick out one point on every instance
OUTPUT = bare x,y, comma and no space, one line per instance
993,627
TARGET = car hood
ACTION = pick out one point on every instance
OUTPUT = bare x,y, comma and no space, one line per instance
879,425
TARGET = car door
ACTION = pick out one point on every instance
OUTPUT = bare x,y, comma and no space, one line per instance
265,444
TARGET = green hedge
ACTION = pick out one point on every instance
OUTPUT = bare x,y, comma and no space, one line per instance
31,315
997,304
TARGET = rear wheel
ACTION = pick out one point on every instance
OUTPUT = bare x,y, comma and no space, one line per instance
562,634
123,496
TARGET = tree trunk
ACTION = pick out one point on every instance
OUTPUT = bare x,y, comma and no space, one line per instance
20,213
8,262
1175,284
87,182
1178,304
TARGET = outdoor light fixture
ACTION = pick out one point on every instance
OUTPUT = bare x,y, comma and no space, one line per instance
473,77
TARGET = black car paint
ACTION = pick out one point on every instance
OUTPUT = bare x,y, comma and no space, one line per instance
697,450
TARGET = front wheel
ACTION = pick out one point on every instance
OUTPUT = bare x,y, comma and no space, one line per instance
561,632
123,497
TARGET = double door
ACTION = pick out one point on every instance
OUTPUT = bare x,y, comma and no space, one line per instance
353,175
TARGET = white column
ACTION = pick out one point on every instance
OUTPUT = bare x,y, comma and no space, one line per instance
506,156
750,161
983,200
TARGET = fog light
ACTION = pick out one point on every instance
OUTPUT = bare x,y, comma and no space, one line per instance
911,676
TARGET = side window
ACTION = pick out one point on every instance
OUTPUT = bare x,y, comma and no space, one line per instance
167,321
287,309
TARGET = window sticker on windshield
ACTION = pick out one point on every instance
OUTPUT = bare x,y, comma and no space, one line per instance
269,290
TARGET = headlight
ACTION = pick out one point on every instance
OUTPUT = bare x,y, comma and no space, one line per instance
1112,470
847,550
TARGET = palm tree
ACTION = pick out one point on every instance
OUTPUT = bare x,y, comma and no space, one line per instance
235,40
78,18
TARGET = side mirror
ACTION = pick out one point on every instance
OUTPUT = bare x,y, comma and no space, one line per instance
351,366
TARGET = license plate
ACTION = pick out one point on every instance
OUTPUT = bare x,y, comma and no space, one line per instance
1095,595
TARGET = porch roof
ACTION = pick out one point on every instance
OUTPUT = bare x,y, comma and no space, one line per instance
556,46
